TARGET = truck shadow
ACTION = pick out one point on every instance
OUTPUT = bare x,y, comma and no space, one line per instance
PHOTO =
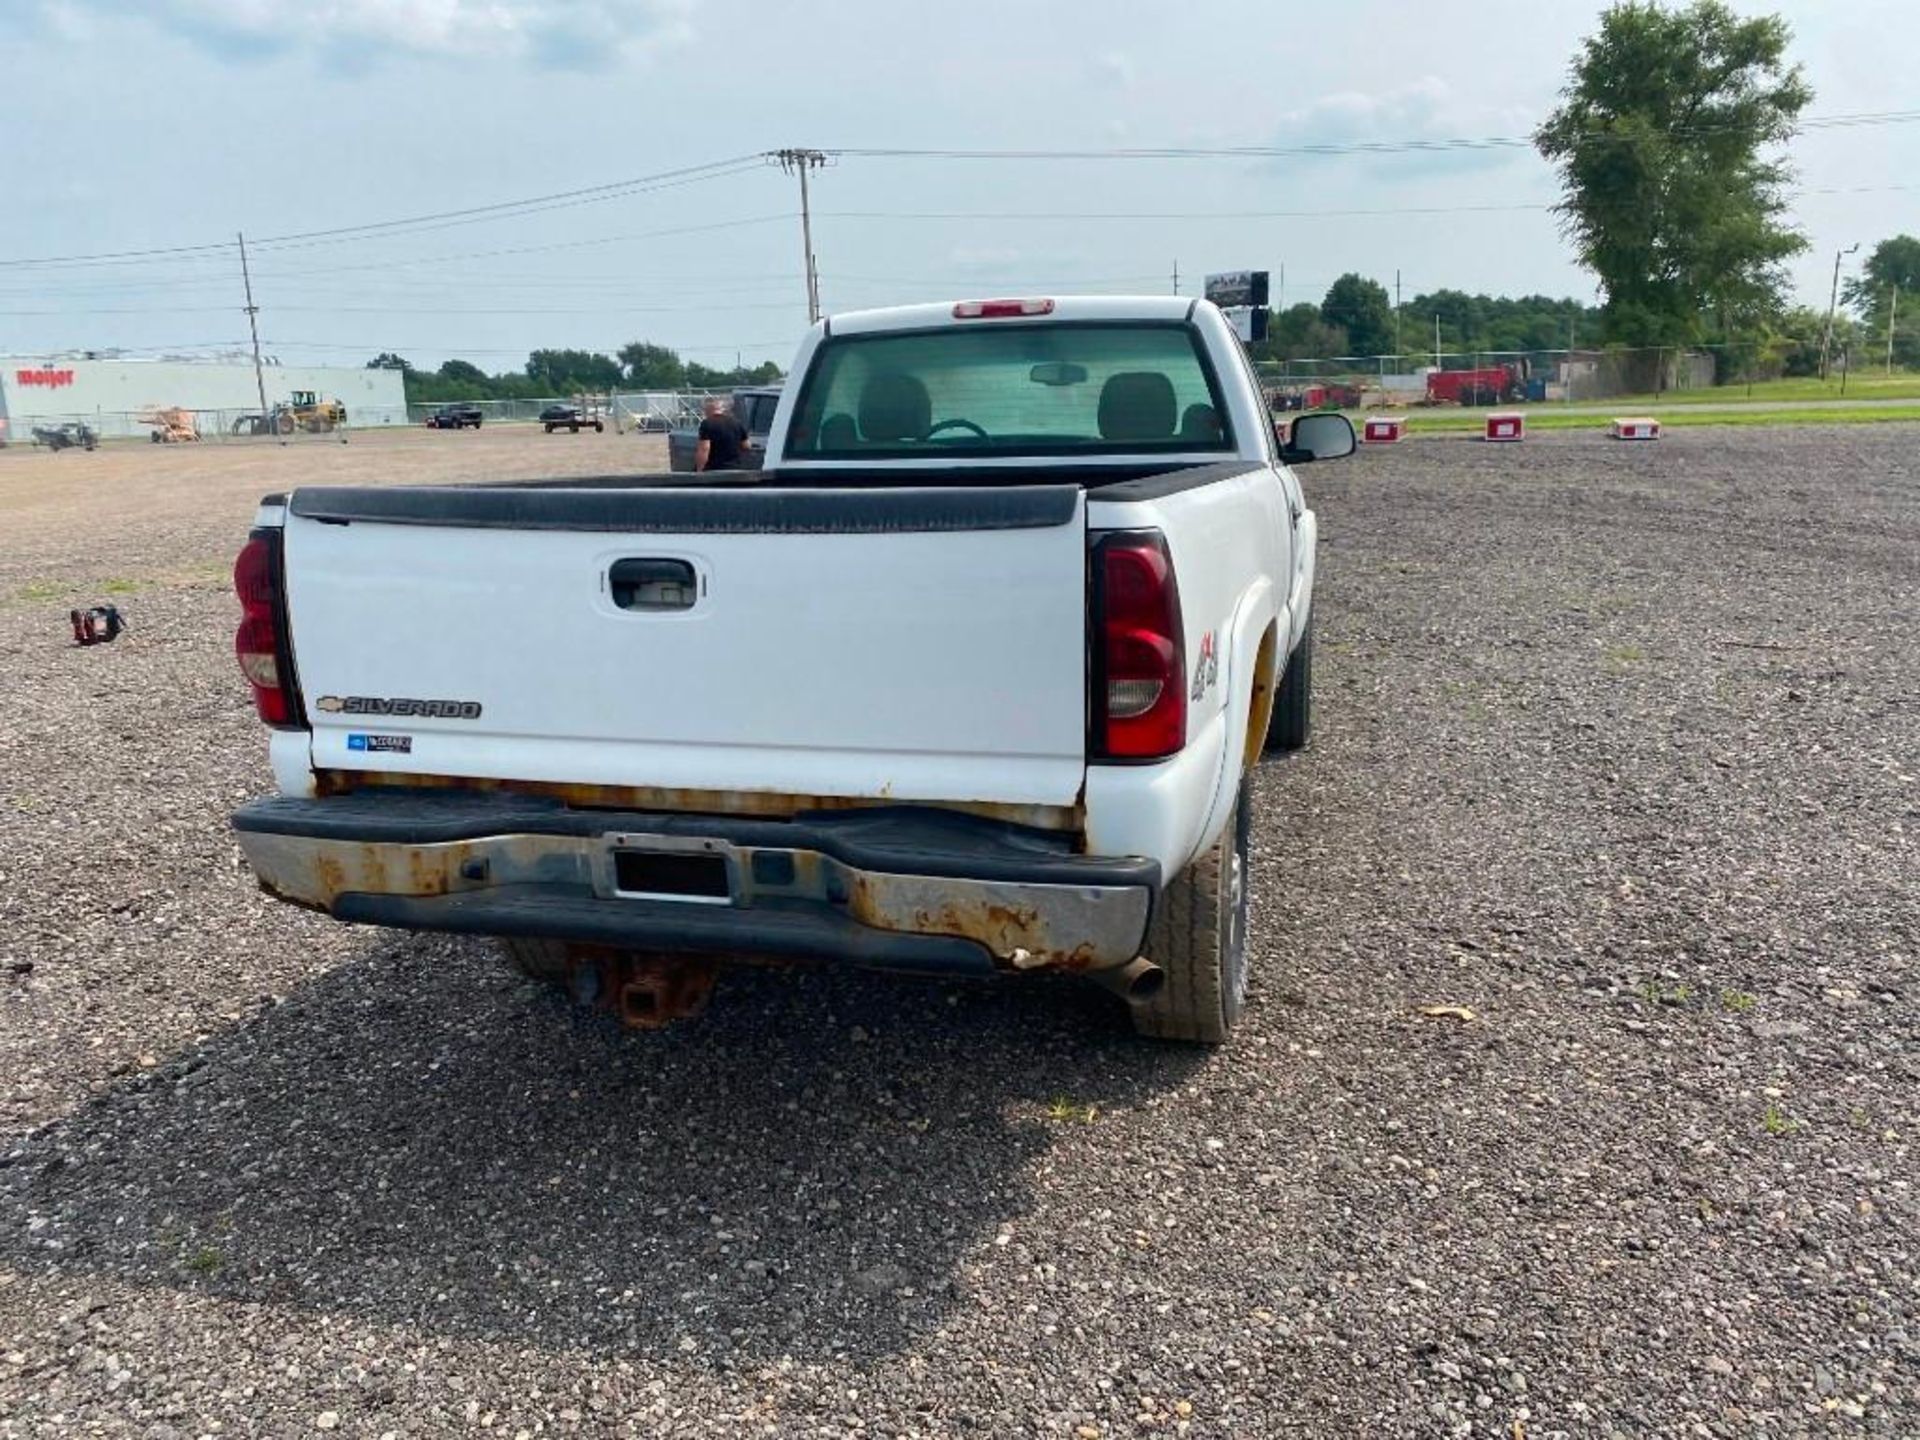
420,1139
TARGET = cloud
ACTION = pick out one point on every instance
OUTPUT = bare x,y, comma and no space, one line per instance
359,34
1427,109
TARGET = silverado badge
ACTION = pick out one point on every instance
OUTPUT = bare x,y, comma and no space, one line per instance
384,705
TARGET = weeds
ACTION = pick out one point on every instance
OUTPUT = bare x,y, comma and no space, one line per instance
1777,1122
1738,1001
1062,1110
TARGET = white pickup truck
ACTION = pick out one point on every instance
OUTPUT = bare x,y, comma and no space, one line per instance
969,678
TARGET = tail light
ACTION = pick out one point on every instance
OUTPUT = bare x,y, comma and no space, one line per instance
260,643
1139,662
1000,309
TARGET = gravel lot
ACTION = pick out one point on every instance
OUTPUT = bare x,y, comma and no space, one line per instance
1617,748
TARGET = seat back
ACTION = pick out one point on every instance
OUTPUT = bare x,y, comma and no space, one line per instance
1137,405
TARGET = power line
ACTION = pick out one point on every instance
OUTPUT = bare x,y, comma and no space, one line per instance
502,210
1335,147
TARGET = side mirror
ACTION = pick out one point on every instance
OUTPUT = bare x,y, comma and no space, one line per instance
1321,436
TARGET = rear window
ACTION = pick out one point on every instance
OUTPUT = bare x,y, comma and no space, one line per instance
758,411
1006,389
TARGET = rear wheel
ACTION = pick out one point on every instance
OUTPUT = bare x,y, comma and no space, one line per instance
1292,721
550,429
1198,938
541,960
598,428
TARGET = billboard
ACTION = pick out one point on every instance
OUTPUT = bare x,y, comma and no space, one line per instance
1242,294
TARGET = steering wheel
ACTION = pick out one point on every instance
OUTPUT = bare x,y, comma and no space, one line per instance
955,424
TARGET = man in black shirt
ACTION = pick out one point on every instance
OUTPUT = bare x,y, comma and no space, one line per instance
722,438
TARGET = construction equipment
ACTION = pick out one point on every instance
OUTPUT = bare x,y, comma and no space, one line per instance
1319,395
1487,385
304,410
67,435
169,424
308,412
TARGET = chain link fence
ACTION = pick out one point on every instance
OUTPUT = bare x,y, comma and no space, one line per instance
1545,377
175,425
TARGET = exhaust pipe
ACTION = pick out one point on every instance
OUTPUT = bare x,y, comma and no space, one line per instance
1138,979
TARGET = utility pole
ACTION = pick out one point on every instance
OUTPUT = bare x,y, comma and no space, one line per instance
1833,301
1436,340
1396,317
1283,286
803,161
1566,386
1893,308
246,279
1176,277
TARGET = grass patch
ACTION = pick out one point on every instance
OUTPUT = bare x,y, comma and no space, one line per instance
1777,1122
1901,385
1654,993
121,587
1738,1001
40,590
1624,655
206,1261
1062,1111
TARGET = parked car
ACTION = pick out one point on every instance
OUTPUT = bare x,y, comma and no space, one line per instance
456,417
754,408
972,679
570,417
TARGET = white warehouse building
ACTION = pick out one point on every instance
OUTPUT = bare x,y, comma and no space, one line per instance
111,393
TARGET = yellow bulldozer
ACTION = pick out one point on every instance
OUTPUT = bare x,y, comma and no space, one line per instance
304,410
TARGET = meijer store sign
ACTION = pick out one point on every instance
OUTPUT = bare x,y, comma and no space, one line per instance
52,379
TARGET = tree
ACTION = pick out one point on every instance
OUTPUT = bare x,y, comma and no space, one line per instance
651,367
564,370
1893,266
462,372
1360,307
1666,193
1298,333
387,360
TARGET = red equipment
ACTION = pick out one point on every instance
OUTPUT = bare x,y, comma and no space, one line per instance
1490,385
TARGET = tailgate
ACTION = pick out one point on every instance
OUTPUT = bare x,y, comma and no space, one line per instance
913,644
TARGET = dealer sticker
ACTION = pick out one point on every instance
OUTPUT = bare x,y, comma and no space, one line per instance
392,744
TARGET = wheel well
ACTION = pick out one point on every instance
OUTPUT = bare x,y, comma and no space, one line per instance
1260,711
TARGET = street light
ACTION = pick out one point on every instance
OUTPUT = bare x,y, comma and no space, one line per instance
1833,300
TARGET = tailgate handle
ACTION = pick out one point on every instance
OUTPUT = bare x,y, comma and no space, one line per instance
649,584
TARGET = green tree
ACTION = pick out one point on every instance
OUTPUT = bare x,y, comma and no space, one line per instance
387,360
1667,194
1298,333
1892,270
564,370
651,367
1361,308
462,372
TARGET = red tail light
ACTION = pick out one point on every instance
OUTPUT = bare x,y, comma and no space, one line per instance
258,644
1000,309
1140,668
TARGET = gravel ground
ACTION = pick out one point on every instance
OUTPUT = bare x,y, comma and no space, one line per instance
1616,749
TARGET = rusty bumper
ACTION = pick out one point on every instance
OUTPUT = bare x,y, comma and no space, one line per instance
900,888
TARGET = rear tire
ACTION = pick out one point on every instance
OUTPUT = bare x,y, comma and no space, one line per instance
1198,938
543,961
1292,723
598,428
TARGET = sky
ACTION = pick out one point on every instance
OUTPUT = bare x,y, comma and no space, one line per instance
136,125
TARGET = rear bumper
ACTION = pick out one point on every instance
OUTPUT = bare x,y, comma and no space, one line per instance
898,887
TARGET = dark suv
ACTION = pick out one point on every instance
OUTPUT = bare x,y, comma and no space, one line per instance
455,417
